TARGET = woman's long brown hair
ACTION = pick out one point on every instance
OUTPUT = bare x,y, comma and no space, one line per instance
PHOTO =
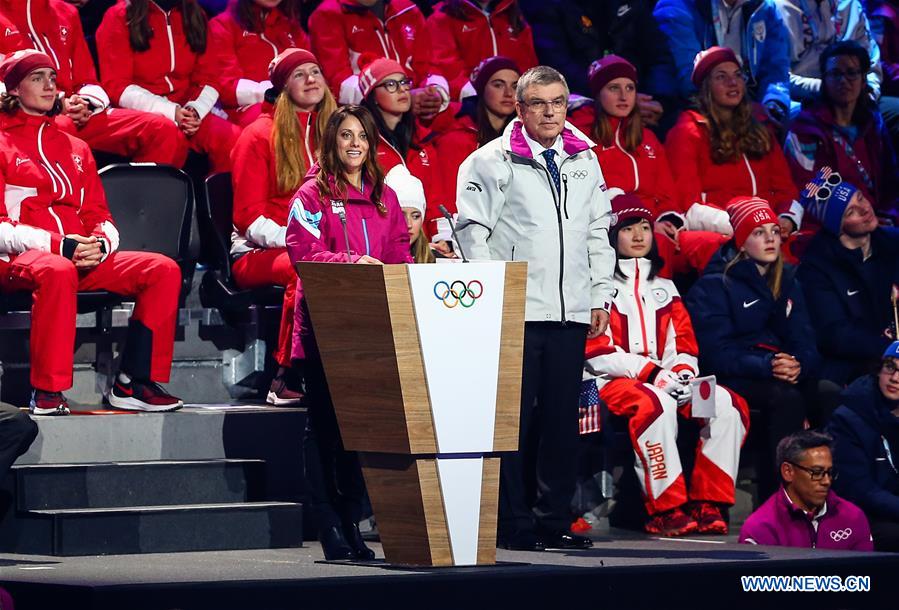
330,164
290,162
604,133
139,33
741,134
773,276
247,16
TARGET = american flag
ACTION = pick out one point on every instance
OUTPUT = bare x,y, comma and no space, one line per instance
811,189
590,413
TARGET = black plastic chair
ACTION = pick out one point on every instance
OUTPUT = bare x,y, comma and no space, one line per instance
217,288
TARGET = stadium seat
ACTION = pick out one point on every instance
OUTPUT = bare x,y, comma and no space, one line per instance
217,289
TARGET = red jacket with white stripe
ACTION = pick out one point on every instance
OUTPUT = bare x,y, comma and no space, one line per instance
54,27
260,209
157,80
644,172
50,188
649,329
241,58
342,30
422,163
459,45
453,147
706,187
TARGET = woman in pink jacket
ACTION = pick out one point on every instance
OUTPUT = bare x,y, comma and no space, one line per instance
348,179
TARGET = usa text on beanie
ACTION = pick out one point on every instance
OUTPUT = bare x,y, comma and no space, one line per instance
747,214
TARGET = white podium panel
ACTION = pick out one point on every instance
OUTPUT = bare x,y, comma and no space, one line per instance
459,310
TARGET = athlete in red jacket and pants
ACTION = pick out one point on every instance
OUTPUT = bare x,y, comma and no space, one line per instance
171,77
241,52
53,27
57,237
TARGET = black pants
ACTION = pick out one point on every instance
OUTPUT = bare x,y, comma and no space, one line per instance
537,483
777,409
17,432
886,534
336,489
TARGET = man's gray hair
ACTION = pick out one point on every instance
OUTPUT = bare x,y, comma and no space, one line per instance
791,448
541,76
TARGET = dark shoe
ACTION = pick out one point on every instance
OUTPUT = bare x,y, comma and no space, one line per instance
142,396
565,540
48,403
708,518
334,544
354,538
521,540
672,523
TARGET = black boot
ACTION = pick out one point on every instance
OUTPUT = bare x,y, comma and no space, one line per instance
334,543
354,538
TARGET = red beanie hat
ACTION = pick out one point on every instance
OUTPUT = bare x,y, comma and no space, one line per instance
746,214
375,71
626,206
607,69
282,66
22,63
706,60
485,70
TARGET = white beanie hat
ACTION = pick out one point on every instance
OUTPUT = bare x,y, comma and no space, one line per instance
409,189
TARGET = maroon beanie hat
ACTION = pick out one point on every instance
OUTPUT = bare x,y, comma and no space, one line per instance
628,206
282,66
22,63
607,69
485,70
747,213
377,70
706,61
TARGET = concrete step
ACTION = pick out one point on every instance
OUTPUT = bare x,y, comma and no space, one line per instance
158,529
173,482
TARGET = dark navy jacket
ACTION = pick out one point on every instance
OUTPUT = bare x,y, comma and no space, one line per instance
849,305
866,465
740,326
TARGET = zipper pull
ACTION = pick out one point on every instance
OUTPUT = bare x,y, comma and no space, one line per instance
565,196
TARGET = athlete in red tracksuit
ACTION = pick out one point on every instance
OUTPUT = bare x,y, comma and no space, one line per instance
634,161
347,182
403,140
241,52
642,365
169,78
57,237
53,27
262,202
463,34
343,30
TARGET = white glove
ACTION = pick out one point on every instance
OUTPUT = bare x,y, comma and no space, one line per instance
683,394
667,382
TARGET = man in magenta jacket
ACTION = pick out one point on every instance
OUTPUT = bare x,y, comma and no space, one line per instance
805,512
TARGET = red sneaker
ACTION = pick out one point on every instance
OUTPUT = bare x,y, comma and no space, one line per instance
280,395
580,526
672,523
48,403
142,396
709,519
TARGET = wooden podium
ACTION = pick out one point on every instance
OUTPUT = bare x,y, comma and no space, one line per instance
424,367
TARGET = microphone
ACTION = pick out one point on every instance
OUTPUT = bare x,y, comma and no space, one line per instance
346,236
449,218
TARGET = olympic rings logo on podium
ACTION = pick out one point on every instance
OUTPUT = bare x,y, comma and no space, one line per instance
458,293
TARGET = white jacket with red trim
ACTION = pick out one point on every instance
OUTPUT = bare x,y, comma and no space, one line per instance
157,80
342,30
649,329
241,57
260,210
50,188
458,46
54,27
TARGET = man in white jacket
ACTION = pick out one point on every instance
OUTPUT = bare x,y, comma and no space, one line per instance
537,194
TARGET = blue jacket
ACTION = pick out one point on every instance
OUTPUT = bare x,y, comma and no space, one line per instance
849,302
740,326
866,447
689,27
